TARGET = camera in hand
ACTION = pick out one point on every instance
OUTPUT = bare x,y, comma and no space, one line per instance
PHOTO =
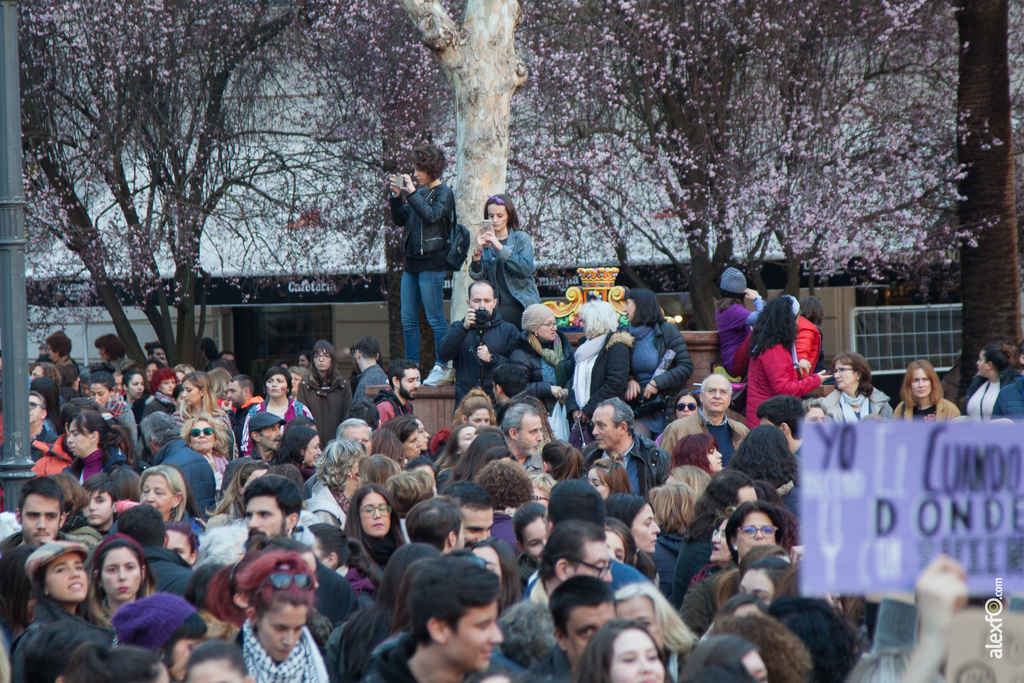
483,316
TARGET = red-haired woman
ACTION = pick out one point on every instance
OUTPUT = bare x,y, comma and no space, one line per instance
274,639
162,387
922,395
699,450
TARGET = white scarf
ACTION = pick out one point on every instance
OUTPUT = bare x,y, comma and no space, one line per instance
303,665
586,356
851,416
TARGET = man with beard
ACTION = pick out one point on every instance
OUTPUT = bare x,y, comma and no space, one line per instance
404,379
272,506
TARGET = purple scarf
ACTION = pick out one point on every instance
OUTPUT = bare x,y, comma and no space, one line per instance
92,464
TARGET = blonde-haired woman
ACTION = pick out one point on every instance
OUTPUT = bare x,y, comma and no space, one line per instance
165,488
337,479
476,409
208,437
642,603
601,363
198,397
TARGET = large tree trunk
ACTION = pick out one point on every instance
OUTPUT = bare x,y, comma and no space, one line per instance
479,58
990,281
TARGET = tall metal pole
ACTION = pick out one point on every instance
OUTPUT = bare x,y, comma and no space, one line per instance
15,464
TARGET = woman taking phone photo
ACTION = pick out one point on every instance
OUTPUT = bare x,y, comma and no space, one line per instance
504,257
425,214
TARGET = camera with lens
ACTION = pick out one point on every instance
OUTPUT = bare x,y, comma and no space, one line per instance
483,316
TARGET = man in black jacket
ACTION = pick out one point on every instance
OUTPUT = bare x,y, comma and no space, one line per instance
145,525
646,464
162,436
453,610
477,346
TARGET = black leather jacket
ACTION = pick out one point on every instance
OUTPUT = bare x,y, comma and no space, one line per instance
425,217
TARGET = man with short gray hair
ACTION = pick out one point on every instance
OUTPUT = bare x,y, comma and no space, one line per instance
715,397
614,438
354,429
163,437
524,431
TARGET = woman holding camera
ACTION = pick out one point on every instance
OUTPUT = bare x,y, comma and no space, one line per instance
504,257
425,214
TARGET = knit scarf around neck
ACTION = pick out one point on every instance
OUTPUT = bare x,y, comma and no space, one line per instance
848,404
380,549
303,665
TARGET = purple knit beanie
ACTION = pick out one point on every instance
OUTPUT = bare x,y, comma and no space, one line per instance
150,622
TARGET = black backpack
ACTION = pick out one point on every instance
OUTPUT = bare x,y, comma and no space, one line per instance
458,244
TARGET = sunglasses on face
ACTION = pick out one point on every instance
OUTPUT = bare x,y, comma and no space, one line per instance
686,407
284,581
205,431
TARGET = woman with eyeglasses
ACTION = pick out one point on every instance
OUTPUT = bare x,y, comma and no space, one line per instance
376,526
208,437
545,353
274,639
924,399
326,393
659,362
854,398
774,368
752,524
277,383
504,257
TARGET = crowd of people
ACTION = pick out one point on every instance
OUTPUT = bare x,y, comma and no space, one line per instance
590,514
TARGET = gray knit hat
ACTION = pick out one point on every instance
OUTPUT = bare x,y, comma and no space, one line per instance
534,315
733,283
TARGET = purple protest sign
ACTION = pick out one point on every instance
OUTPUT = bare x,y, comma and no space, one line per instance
880,499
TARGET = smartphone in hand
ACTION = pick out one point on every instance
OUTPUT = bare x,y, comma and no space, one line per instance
487,226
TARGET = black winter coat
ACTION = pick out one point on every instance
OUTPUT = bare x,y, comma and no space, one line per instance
390,661
425,217
459,345
667,336
609,376
171,572
524,356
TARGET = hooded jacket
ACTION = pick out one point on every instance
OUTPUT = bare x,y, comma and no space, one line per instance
609,376
459,345
55,459
390,661
652,470
388,405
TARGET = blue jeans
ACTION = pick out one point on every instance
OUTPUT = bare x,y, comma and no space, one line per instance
426,287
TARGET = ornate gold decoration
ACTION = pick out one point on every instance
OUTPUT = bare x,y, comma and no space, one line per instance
596,283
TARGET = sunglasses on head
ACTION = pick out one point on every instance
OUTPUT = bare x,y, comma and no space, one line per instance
284,581
686,407
208,431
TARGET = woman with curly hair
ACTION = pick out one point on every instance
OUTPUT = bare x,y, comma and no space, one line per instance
829,638
475,408
338,478
161,389
510,488
727,652
855,398
774,369
424,213
699,450
208,437
765,455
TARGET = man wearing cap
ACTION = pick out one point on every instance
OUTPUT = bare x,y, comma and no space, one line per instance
60,586
265,430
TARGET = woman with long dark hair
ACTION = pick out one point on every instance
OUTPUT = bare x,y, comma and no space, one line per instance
374,522
97,445
659,363
326,393
300,446
119,575
504,257
774,369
